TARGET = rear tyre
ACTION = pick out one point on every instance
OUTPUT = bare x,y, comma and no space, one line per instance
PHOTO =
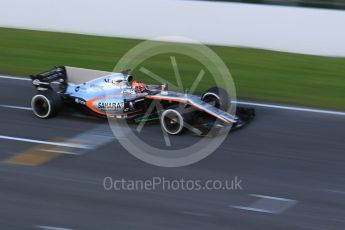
46,104
217,97
173,121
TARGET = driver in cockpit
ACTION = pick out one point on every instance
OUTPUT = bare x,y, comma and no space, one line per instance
138,86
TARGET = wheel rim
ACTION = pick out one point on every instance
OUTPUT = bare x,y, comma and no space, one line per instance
40,106
172,121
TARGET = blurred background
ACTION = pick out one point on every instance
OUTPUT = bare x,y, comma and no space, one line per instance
327,4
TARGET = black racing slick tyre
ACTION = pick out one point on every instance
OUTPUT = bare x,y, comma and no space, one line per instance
174,121
46,104
218,97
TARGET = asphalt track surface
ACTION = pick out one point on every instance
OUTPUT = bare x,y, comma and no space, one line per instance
291,163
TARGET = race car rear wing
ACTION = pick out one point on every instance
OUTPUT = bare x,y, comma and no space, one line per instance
42,81
64,75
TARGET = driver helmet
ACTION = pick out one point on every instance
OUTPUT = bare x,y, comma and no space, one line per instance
138,86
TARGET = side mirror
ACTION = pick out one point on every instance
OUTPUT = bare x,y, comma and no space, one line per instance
130,78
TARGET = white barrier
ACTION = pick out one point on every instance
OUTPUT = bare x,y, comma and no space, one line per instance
291,29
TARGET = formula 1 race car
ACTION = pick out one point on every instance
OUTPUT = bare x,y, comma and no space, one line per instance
117,95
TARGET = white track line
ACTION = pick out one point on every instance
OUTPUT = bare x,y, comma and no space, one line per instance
293,108
271,197
15,107
272,106
71,145
51,227
16,78
252,209
268,204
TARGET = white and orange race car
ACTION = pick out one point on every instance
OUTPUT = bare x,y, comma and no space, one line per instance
117,95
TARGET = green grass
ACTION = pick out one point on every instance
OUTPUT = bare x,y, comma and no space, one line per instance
259,75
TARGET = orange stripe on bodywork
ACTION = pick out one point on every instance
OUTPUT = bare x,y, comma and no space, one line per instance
90,102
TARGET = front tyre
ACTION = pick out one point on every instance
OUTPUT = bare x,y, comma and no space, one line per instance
46,104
